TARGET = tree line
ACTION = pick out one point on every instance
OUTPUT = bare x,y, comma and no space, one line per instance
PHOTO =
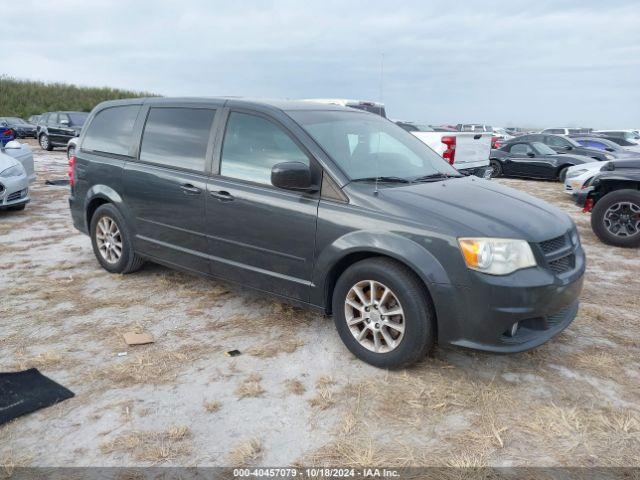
23,98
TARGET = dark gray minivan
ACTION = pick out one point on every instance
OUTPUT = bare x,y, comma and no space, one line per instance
331,208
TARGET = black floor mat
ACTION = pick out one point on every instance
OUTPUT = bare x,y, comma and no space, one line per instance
26,392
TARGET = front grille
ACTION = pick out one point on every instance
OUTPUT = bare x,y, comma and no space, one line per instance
16,195
554,244
563,264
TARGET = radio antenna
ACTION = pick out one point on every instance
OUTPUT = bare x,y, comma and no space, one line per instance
375,191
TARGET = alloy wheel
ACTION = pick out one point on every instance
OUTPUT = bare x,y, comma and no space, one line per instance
622,219
374,316
44,141
109,240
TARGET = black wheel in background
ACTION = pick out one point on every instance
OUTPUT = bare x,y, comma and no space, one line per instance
615,219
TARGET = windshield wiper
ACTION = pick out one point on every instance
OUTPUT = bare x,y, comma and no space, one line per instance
383,179
435,177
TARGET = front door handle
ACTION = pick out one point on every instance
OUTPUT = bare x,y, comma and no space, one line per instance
190,189
222,195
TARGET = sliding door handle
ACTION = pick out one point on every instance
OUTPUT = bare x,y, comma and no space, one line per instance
190,189
222,195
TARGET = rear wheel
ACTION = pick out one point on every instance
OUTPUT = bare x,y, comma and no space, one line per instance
496,168
615,219
383,313
45,143
112,242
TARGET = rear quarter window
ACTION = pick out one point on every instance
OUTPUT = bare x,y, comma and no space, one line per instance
111,130
177,137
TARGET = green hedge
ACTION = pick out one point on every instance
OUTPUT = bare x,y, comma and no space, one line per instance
23,98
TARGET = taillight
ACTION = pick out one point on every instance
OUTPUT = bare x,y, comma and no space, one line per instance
8,133
495,142
71,171
588,205
450,153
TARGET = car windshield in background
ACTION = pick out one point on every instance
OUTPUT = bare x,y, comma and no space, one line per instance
369,147
370,108
13,120
543,149
78,119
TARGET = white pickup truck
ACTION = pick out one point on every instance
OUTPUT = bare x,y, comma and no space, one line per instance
467,151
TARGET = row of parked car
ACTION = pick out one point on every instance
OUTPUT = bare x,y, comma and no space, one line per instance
570,155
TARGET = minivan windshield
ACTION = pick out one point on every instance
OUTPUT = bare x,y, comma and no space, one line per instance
367,147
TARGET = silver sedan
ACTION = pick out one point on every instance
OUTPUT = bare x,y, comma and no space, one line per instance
16,172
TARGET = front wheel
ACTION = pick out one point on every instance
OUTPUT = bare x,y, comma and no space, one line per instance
496,168
383,314
112,242
562,174
615,219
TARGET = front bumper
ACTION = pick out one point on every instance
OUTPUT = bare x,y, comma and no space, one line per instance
541,301
14,191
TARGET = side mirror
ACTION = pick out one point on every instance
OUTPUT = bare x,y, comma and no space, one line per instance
568,147
292,176
531,154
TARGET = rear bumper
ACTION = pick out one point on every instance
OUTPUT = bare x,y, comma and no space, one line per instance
77,215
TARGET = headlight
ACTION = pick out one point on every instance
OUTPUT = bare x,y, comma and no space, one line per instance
608,156
575,173
15,171
496,256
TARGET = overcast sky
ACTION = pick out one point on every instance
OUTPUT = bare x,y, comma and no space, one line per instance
532,63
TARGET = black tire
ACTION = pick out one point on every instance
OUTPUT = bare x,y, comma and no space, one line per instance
496,167
17,208
562,174
45,143
598,218
129,261
419,317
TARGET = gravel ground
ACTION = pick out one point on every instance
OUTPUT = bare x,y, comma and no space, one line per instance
295,395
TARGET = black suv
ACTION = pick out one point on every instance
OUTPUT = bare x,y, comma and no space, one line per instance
332,208
55,129
613,198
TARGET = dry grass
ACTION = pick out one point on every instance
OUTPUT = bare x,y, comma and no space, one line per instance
282,344
245,453
155,365
294,386
325,396
212,407
152,446
250,387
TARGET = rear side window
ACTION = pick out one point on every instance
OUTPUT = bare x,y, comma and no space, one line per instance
177,137
111,130
521,148
253,145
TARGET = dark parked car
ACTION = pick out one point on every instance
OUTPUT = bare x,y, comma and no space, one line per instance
564,144
6,135
21,128
332,208
533,160
33,119
55,129
613,198
607,145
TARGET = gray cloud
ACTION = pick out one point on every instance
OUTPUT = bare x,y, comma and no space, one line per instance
519,62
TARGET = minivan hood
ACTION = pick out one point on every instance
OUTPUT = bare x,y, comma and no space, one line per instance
469,206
